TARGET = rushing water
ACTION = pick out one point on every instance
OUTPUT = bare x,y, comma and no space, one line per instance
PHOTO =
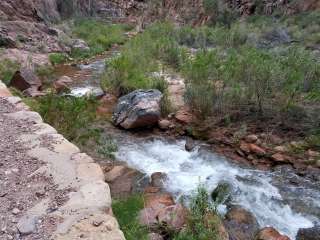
254,190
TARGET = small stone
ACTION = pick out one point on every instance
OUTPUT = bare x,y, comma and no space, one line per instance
15,211
313,154
278,157
27,225
97,223
164,124
251,138
281,149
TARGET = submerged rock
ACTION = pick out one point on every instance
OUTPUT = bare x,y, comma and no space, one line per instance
222,193
140,108
190,145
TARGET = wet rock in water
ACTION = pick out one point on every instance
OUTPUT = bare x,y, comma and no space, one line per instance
270,233
309,233
24,79
158,179
79,44
222,193
27,225
190,145
241,224
155,236
62,84
140,108
174,217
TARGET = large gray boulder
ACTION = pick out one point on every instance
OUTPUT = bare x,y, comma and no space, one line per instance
140,108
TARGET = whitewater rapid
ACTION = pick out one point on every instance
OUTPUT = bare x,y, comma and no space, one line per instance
252,189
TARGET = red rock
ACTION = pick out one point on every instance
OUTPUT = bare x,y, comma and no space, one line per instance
148,216
157,201
174,216
245,147
256,149
184,116
270,233
164,124
151,189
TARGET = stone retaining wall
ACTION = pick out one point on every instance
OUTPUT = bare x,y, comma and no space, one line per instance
87,213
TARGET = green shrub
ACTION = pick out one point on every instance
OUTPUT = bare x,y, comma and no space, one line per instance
58,58
69,115
108,147
46,74
139,60
100,36
7,70
126,211
203,221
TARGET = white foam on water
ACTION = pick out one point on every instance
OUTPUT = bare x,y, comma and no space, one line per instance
185,170
85,91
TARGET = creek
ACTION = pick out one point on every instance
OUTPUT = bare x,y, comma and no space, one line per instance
278,198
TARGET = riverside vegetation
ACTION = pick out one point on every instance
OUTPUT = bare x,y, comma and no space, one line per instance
261,67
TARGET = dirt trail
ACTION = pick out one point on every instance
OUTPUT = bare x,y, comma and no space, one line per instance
48,189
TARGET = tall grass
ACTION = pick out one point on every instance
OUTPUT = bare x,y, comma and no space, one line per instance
126,212
71,116
100,36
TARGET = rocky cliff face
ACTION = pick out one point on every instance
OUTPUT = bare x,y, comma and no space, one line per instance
24,23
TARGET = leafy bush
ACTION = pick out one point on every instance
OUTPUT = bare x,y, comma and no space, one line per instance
46,74
70,116
203,221
58,58
99,36
135,68
108,147
7,70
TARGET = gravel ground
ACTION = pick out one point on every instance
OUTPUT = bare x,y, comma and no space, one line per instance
20,189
